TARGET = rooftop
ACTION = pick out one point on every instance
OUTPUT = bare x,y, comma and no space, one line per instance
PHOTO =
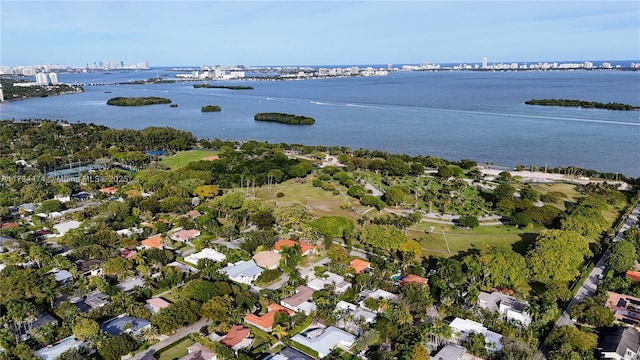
185,235
326,341
267,259
52,352
413,279
158,303
633,275
303,293
198,351
304,247
206,253
359,265
618,340
123,323
266,321
247,269
153,242
493,341
236,335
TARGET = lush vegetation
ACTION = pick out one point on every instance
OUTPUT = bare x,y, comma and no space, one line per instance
230,87
285,118
137,101
12,92
582,104
211,108
462,230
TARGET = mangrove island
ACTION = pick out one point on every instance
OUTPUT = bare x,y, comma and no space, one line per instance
284,118
582,104
137,101
230,87
211,108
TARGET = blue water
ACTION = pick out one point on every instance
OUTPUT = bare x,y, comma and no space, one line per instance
454,115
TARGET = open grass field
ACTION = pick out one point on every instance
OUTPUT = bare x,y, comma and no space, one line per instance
182,159
461,240
176,351
322,202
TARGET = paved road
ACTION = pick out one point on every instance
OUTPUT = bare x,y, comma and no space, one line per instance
179,334
590,285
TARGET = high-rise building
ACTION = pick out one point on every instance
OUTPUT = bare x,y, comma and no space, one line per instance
54,78
1,94
484,62
41,79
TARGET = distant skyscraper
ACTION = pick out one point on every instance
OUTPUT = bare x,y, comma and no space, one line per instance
484,62
54,78
1,94
41,79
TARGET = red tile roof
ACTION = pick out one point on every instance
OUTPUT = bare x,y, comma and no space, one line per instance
128,254
413,279
8,225
158,303
109,190
359,265
236,334
265,322
304,247
633,275
153,242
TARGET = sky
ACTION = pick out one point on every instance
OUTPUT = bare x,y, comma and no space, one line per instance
165,33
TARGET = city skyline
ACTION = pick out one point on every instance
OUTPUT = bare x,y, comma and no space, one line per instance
316,32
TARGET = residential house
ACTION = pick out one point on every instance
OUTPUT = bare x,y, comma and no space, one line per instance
619,343
244,272
625,308
323,341
265,322
129,232
206,253
156,304
359,265
109,190
125,324
128,254
330,278
461,329
90,267
8,225
509,308
198,351
183,267
82,196
633,275
238,338
152,242
351,317
185,236
62,276
64,227
305,248
41,235
53,352
450,352
130,284
377,294
267,259
93,300
301,301
62,198
42,319
8,244
413,279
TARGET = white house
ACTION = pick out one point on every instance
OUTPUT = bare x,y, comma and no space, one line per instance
461,329
244,272
510,308
206,253
324,340
330,278
301,301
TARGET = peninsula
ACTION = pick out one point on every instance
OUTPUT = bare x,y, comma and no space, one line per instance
137,101
285,118
230,87
582,104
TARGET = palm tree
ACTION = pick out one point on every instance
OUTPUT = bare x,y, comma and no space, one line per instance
279,331
150,334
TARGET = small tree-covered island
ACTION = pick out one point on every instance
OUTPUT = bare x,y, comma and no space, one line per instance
137,101
285,118
211,108
158,244
582,104
229,87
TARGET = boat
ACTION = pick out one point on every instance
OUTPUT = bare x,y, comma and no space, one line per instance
107,92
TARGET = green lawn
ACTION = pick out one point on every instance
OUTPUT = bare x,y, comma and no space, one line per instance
176,351
182,159
461,240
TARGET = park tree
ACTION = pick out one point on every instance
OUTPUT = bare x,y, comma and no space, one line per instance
557,256
411,250
334,227
385,237
217,309
499,266
337,254
623,256
394,195
469,221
